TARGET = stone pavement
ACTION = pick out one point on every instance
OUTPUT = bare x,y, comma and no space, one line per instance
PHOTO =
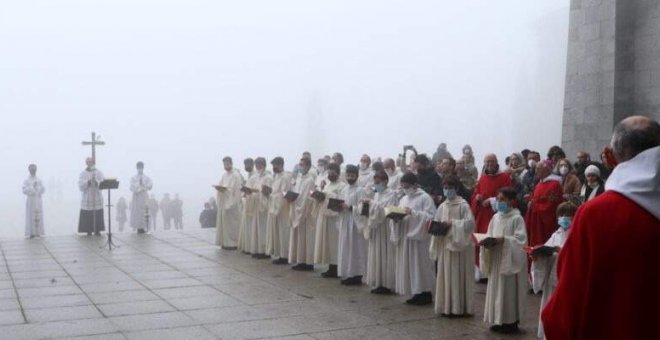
178,285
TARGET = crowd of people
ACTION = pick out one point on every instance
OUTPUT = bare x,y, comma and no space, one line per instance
430,229
171,212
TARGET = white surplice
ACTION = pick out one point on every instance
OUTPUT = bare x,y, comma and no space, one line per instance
33,188
544,272
229,209
505,267
455,255
381,252
258,228
352,251
414,268
301,240
279,216
140,186
327,228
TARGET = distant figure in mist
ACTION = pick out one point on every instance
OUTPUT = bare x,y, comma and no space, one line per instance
165,210
140,186
153,212
121,213
33,188
207,217
177,212
91,206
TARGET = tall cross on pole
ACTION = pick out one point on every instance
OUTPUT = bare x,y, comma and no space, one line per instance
94,143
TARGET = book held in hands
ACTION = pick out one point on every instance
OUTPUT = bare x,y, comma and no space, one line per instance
439,228
364,211
395,213
291,196
317,195
335,204
266,190
485,240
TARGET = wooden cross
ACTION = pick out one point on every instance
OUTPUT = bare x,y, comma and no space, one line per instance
94,143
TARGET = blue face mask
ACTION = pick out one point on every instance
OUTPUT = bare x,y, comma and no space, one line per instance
502,207
564,222
380,187
449,193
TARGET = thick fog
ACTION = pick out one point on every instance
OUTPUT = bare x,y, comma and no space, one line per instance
180,84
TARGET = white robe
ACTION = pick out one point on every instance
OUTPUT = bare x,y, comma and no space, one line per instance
352,251
455,255
301,240
248,213
394,180
33,188
505,266
381,259
91,195
229,209
278,225
327,226
258,227
140,186
544,272
414,268
366,181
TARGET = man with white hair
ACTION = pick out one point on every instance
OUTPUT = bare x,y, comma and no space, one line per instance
91,207
33,188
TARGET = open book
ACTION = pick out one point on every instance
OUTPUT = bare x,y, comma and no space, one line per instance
266,190
291,196
438,229
220,188
317,195
335,204
485,240
246,190
395,213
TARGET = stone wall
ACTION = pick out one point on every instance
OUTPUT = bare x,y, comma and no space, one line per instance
613,69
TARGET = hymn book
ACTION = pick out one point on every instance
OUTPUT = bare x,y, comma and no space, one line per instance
291,196
485,240
317,195
266,190
439,229
540,250
335,204
364,211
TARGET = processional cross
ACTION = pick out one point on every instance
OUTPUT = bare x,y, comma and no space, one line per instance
94,143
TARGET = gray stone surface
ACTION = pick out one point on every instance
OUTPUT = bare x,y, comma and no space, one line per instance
612,71
177,285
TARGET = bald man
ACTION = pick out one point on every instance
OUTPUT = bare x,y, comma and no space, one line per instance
608,277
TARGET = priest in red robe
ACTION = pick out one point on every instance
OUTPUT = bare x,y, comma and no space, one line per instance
485,193
609,282
541,219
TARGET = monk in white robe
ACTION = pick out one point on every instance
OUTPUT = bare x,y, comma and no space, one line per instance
414,269
327,232
381,260
229,206
352,252
33,188
278,225
140,213
258,227
504,262
301,241
91,206
544,268
366,175
393,174
454,253
322,177
248,214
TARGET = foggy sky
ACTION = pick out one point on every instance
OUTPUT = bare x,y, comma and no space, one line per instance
180,84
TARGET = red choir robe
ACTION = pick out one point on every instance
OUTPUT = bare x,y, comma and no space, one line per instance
487,186
541,219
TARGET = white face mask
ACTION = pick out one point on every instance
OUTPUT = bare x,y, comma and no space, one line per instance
531,163
563,170
389,172
364,165
409,191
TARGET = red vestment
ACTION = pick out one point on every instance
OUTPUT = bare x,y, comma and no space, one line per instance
487,187
609,277
541,219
